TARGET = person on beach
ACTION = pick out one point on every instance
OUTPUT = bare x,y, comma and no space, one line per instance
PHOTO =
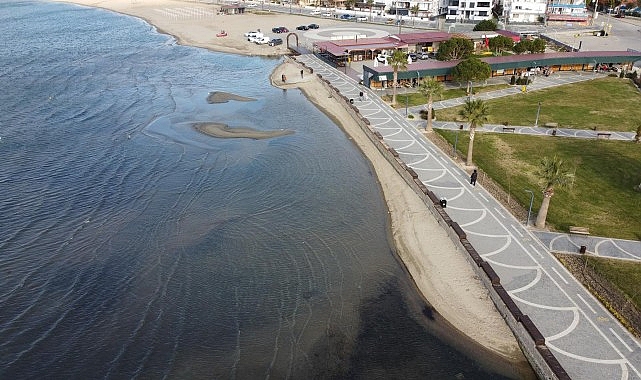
301,74
473,177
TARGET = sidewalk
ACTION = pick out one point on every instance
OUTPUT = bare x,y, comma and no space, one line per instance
583,336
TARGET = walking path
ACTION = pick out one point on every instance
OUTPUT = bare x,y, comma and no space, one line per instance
583,336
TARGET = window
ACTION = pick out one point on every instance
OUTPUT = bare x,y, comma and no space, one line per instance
452,12
462,5
482,13
471,5
453,3
484,4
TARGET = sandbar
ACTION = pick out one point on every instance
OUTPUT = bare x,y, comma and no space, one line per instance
225,132
224,97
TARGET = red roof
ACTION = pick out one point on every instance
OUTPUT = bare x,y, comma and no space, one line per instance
413,38
338,47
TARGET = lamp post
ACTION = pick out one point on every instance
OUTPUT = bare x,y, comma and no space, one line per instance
529,211
538,111
346,60
456,140
406,101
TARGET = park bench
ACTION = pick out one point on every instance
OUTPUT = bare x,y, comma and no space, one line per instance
551,125
579,230
603,135
508,129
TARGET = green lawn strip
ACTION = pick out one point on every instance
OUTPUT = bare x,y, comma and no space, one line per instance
603,196
610,104
417,99
624,274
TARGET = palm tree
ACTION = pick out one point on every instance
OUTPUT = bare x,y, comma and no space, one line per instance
430,88
414,10
475,112
398,60
369,4
554,173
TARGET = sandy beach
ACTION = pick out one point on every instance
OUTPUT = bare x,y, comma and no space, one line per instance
441,273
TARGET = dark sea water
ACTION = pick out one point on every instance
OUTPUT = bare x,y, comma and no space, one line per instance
132,246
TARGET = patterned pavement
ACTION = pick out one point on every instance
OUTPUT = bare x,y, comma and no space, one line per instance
584,337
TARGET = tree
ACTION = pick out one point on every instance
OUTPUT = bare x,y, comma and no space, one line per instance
414,10
471,69
369,4
349,4
537,46
485,25
553,173
522,46
430,88
500,43
398,60
475,112
455,48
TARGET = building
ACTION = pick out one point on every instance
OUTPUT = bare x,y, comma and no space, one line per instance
524,11
567,11
382,76
469,10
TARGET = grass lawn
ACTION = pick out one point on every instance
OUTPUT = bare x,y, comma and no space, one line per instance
625,275
610,104
416,98
602,197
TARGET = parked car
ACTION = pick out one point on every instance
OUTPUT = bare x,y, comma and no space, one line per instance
280,29
328,14
313,26
302,27
413,56
423,55
382,57
275,41
255,37
315,12
251,34
263,40
348,17
251,5
361,18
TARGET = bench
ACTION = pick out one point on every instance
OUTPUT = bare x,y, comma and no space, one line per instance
551,125
579,230
508,129
603,135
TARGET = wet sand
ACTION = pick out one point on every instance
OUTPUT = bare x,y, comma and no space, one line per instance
225,132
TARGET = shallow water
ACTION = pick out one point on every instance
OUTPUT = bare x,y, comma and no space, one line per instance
132,245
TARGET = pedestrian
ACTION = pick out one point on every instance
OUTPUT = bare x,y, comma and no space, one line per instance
284,78
301,74
473,177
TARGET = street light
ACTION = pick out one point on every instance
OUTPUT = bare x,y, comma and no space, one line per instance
456,140
538,111
529,211
406,101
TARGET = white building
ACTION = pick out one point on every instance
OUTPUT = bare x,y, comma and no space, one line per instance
567,11
526,11
469,10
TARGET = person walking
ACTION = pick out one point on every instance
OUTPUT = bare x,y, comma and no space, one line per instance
301,74
473,177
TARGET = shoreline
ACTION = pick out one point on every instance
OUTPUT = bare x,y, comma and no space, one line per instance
439,271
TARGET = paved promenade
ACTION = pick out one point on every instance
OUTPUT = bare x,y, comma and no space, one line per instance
584,337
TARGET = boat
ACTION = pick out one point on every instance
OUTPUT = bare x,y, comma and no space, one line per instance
221,34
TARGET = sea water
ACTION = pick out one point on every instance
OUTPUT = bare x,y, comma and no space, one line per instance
132,246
